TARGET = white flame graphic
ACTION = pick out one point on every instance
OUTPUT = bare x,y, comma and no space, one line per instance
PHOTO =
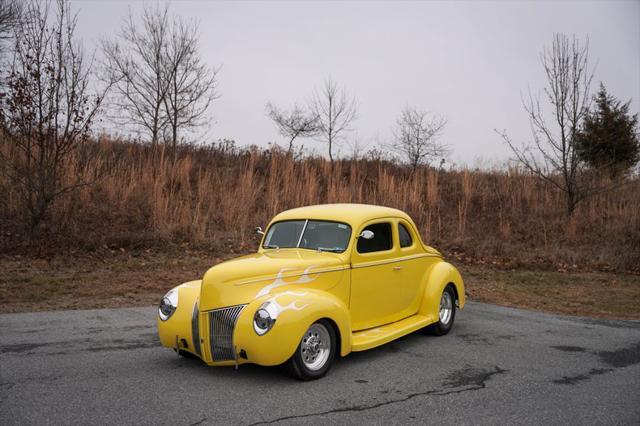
279,281
273,302
305,276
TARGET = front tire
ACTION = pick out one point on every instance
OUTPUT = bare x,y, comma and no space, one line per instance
315,353
446,313
186,354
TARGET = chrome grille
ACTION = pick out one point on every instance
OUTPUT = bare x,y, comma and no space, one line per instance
195,330
221,325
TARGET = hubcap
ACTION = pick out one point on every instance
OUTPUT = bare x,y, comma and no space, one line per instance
315,347
446,308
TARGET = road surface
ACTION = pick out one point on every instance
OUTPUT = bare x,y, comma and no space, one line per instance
498,365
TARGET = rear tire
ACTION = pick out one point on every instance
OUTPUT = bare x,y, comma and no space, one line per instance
315,353
446,313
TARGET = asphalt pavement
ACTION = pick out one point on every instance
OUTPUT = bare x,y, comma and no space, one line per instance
498,365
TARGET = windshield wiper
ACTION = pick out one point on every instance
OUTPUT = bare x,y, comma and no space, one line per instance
271,246
332,250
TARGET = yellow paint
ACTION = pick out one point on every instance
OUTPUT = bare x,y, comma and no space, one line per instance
179,325
367,339
371,298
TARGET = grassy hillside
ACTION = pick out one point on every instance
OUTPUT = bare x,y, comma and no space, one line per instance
211,197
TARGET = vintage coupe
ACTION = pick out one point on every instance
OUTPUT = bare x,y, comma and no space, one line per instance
326,280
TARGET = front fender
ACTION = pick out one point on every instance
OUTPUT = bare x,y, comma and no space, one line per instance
297,311
437,278
178,326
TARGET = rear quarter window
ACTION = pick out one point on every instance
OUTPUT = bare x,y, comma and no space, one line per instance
404,235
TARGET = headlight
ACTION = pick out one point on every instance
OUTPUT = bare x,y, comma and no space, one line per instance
263,320
168,305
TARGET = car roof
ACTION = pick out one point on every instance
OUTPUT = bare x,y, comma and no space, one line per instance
353,214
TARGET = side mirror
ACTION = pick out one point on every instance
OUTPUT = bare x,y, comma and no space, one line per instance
259,230
366,234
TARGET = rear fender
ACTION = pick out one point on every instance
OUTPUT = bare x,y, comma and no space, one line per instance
437,278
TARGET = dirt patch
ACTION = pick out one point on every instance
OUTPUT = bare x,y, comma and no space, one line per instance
593,294
137,279
117,280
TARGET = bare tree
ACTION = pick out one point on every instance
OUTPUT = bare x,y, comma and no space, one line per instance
47,111
160,82
335,112
294,123
135,65
192,86
553,156
10,12
416,137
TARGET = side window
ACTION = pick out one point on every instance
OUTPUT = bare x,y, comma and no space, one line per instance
381,239
405,236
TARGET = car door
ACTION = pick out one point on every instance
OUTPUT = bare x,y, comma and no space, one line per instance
375,299
413,262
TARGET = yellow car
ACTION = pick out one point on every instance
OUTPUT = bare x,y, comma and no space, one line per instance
327,280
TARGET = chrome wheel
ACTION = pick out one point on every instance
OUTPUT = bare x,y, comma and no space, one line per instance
446,308
315,347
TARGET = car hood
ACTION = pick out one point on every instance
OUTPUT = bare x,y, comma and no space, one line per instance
246,278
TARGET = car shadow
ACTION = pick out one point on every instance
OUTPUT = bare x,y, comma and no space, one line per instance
407,345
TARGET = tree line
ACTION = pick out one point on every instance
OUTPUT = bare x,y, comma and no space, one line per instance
329,115
153,80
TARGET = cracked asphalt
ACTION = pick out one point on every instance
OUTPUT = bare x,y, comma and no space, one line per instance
498,365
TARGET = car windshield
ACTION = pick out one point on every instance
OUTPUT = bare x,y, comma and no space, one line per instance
309,234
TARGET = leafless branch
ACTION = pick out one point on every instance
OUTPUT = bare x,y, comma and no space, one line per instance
10,12
415,137
335,112
193,83
293,123
161,86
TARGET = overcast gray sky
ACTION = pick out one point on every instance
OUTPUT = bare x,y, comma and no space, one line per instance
470,61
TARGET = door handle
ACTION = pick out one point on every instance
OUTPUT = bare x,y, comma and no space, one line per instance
397,268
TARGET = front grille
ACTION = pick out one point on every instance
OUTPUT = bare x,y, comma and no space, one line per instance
195,330
221,325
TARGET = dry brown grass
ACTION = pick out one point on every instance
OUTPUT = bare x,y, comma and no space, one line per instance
212,197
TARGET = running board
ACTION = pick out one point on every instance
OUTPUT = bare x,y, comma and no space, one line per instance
366,339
